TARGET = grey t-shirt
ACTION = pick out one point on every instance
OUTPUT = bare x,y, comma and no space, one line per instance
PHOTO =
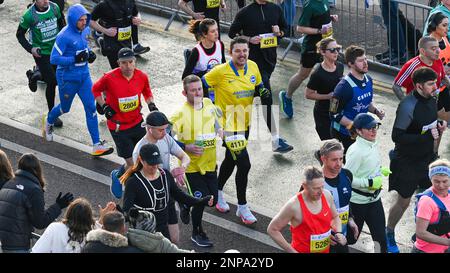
167,146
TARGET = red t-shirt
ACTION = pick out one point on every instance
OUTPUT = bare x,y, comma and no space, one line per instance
124,96
404,78
313,234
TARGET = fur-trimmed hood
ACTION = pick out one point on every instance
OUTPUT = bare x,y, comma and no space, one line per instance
111,239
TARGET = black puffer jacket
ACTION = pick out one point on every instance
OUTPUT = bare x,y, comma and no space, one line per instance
21,209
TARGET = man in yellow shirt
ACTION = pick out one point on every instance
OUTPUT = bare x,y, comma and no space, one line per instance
196,126
235,83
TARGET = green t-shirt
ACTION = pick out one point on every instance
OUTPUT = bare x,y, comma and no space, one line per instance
43,26
316,13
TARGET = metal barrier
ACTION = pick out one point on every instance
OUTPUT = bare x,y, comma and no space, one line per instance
360,22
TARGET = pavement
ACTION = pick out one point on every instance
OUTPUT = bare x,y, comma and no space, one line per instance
273,179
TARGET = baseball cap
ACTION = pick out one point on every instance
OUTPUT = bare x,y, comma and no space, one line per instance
150,154
125,54
155,119
364,121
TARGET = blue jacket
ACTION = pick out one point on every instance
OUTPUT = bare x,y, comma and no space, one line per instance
69,42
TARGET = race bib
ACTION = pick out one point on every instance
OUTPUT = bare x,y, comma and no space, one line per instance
236,143
320,242
268,40
210,4
129,103
123,33
329,32
343,214
206,141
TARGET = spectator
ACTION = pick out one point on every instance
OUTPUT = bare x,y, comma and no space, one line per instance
6,171
289,10
203,9
396,54
432,217
111,238
143,234
23,206
67,236
364,161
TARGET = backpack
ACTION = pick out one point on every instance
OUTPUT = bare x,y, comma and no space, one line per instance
442,225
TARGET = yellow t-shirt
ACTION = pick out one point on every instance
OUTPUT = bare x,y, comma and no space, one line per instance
198,127
234,91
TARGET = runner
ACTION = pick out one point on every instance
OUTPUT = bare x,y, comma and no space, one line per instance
156,124
149,187
321,84
339,182
432,217
353,95
315,223
117,20
316,23
71,54
235,83
196,125
208,53
414,133
363,160
262,24
203,9
44,20
122,88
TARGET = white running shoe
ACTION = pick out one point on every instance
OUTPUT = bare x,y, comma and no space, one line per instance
101,149
222,205
47,129
246,215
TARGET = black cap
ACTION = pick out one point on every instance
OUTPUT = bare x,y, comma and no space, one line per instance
155,119
364,121
150,154
125,54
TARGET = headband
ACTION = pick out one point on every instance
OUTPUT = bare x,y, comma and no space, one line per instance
439,170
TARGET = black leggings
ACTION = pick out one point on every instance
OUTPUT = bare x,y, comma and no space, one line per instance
323,124
265,75
243,168
134,34
373,215
344,139
48,76
241,3
201,186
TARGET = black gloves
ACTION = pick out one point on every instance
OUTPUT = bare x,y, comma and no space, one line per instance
99,109
152,107
91,57
81,57
204,200
64,201
109,112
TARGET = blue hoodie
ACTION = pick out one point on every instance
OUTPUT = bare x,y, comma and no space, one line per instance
70,41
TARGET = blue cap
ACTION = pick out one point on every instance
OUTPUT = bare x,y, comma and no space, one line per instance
364,121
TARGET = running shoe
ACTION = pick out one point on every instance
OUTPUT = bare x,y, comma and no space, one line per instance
185,214
246,215
391,243
201,240
58,123
101,149
33,79
139,49
47,129
116,186
222,205
283,146
286,104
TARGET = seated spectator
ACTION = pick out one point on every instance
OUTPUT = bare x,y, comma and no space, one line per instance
143,234
111,238
23,208
69,235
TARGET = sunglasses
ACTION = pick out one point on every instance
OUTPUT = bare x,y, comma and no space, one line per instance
334,49
374,127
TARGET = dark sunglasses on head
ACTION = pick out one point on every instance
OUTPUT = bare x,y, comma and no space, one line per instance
334,49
